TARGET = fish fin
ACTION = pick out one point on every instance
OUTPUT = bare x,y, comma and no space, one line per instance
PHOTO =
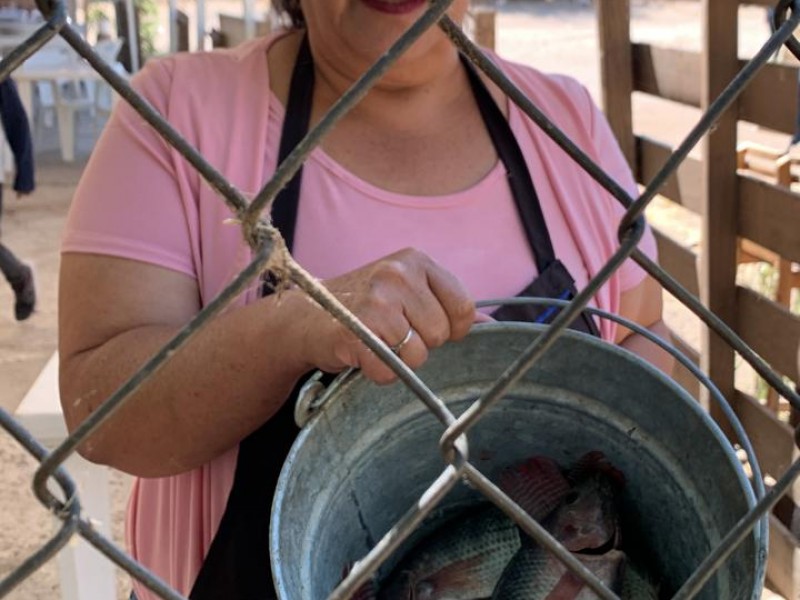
567,588
457,575
594,462
538,486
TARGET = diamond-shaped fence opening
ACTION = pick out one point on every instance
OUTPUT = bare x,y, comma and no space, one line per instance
270,254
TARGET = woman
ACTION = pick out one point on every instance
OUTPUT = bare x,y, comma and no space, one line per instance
405,212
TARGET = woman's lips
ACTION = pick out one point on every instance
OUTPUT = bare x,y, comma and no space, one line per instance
395,7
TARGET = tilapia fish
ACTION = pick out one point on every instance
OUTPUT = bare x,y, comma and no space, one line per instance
586,524
464,560
536,574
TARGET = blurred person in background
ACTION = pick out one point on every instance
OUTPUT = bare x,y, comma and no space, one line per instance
433,192
18,134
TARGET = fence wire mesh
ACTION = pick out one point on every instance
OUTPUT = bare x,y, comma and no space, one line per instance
270,253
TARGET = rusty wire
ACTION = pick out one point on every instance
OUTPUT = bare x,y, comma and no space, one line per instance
270,253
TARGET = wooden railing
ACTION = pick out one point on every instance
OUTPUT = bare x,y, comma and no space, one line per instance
749,211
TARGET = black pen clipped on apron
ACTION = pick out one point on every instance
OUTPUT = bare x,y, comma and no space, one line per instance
237,566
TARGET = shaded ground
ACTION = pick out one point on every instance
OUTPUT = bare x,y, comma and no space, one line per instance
551,35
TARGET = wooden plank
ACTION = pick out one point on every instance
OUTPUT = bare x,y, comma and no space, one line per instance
485,28
784,559
718,255
770,3
234,28
769,100
684,187
769,329
616,75
772,439
666,72
769,215
677,260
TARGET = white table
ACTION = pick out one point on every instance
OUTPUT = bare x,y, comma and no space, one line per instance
85,574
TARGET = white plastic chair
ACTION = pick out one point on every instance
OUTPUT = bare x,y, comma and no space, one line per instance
60,97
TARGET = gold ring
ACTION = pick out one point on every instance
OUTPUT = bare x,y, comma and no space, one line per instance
399,346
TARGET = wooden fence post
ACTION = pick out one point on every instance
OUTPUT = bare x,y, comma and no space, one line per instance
720,194
485,27
616,72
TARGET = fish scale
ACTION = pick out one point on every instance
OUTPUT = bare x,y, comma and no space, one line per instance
460,563
536,574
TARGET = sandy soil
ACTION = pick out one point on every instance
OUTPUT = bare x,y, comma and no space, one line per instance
552,35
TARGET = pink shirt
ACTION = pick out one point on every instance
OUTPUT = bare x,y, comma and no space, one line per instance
221,103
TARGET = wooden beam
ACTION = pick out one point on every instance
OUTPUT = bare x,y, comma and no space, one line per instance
770,100
616,76
668,73
684,187
769,215
677,260
769,329
485,28
772,439
783,567
718,256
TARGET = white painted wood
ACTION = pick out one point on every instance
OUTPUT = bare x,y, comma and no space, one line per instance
85,574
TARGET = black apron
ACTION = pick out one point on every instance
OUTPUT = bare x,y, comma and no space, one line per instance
237,566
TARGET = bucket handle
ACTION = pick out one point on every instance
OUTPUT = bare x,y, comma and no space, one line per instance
314,394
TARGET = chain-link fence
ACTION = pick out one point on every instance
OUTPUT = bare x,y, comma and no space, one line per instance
270,254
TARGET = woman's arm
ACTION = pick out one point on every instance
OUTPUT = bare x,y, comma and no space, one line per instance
238,371
643,305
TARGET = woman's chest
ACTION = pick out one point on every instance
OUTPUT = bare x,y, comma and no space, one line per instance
477,234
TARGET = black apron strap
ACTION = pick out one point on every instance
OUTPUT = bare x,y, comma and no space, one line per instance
554,279
554,282
519,178
295,127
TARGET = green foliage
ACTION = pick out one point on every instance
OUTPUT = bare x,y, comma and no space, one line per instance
100,10
148,25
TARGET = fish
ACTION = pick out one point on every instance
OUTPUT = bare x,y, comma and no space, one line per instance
462,562
536,574
586,523
537,485
465,561
588,519
637,584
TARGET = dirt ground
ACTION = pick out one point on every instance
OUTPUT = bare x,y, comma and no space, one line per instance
554,36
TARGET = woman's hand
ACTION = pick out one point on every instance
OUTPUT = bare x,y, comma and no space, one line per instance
405,291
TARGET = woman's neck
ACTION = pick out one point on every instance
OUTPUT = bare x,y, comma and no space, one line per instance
409,96
397,135
402,102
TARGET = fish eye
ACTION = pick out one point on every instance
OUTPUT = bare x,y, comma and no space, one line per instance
571,498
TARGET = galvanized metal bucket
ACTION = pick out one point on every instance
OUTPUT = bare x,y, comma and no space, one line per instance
371,452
